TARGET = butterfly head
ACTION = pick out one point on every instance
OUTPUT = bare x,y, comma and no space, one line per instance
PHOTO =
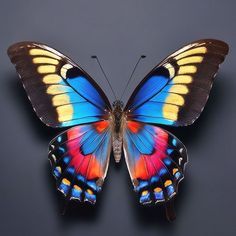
118,105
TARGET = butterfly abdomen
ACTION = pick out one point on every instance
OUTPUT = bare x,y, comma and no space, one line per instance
118,117
117,147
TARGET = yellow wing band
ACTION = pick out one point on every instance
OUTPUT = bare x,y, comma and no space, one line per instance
42,52
198,50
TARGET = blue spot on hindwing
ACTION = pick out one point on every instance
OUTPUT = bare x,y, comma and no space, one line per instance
142,184
162,171
70,170
92,184
62,149
57,171
167,161
64,188
89,197
81,178
178,175
59,138
170,190
66,160
75,193
145,198
159,196
174,142
169,151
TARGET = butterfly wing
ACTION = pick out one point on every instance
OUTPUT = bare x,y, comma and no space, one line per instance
155,160
62,93
79,159
175,91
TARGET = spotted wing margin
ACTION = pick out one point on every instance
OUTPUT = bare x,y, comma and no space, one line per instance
155,159
62,93
176,90
79,157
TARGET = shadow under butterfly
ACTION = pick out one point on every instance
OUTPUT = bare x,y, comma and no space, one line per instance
174,94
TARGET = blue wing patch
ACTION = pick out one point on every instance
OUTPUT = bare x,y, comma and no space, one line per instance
175,91
62,93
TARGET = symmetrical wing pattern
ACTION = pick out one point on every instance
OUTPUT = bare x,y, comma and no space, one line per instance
175,91
62,94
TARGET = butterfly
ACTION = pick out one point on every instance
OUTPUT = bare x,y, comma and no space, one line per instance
62,94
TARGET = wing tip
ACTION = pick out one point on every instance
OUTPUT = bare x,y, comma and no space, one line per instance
217,42
16,46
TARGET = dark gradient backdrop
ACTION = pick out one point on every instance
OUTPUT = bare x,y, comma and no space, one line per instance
118,32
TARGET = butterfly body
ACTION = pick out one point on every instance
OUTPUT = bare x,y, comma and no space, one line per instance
174,93
118,120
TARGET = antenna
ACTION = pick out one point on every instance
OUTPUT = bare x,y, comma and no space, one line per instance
95,57
129,80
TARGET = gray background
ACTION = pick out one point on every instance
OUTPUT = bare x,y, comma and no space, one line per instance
117,31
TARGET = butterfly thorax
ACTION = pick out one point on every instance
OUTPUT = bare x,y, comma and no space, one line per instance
118,120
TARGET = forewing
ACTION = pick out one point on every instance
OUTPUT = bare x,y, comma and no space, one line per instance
62,94
155,160
79,159
175,91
